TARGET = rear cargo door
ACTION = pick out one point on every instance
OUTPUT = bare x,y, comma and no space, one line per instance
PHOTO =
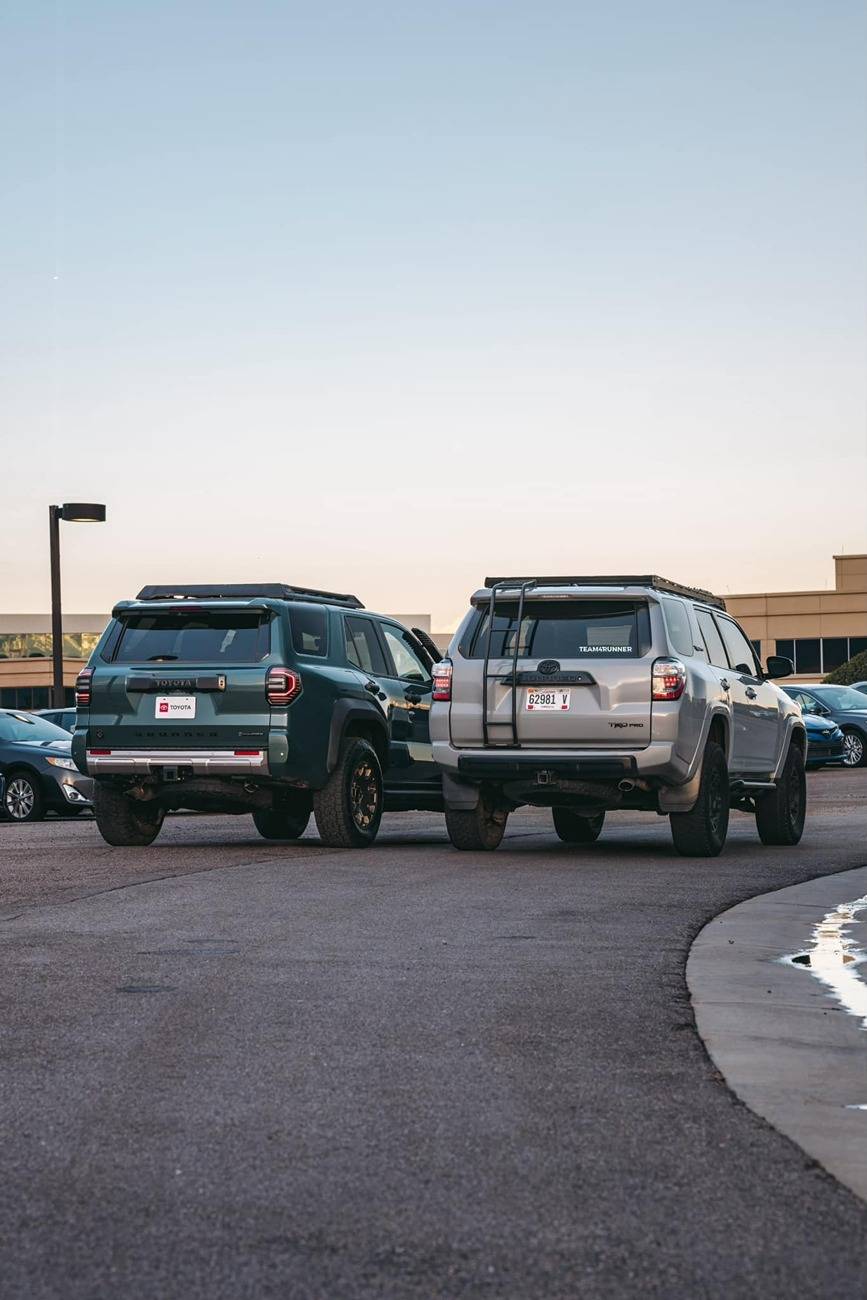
581,670
184,677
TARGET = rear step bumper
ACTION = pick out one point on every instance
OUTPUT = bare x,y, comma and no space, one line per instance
482,767
223,762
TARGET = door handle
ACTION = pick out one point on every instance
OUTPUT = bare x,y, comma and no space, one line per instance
724,683
750,693
412,698
373,687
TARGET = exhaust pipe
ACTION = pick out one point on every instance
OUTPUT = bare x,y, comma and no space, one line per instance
626,786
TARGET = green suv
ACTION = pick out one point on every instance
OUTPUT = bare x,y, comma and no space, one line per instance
268,699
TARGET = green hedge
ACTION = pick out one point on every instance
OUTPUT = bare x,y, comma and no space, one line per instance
853,671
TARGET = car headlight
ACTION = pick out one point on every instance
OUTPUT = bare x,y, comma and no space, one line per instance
62,762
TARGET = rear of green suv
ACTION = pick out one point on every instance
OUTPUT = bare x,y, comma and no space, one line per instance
254,699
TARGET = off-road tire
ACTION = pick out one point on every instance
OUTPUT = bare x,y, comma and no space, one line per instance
123,822
780,814
575,828
852,738
701,832
288,822
476,829
348,809
23,800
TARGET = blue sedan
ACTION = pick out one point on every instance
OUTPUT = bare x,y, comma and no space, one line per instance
840,704
38,771
824,742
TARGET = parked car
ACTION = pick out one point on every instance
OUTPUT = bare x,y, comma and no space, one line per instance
843,705
64,718
824,742
587,694
860,686
37,766
266,699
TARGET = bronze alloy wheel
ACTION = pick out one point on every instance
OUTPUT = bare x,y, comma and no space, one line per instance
364,794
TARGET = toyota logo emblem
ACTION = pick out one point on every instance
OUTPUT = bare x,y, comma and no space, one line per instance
548,666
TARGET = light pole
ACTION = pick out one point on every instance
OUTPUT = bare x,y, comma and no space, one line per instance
74,512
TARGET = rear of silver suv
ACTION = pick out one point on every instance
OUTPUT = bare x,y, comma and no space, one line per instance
591,694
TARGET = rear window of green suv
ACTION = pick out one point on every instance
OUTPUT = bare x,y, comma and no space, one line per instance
209,636
565,629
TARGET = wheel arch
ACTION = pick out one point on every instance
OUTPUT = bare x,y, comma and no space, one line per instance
357,718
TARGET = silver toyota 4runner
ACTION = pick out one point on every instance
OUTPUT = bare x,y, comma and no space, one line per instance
585,694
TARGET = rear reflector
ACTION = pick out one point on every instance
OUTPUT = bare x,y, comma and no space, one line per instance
282,686
99,753
442,680
668,680
247,753
82,688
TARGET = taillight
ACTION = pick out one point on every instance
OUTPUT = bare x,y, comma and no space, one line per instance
282,686
669,679
82,688
442,680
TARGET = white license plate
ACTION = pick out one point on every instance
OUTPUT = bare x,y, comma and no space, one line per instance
175,706
547,700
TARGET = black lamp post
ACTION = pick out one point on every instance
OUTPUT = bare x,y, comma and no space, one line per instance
74,512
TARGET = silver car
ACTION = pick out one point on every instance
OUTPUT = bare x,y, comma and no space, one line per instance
585,694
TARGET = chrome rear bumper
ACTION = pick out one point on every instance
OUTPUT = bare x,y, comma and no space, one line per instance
222,762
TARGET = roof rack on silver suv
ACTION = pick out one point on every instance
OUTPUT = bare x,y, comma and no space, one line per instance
614,580
247,591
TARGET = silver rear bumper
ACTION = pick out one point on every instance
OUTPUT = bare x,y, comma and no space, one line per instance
222,762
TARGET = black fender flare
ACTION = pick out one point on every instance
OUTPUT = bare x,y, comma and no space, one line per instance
344,713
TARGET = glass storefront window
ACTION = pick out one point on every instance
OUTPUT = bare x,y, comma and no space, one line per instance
37,645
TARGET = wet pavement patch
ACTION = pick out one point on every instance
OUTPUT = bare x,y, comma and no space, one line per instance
835,957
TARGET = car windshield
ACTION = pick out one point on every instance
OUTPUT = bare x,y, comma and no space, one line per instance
26,726
202,636
840,697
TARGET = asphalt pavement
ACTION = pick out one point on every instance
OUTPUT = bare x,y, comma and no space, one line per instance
233,1069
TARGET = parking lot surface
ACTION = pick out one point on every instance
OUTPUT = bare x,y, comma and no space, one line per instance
233,1068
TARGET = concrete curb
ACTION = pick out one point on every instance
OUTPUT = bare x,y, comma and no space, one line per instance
780,1038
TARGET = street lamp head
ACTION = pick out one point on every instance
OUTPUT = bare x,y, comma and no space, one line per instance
82,512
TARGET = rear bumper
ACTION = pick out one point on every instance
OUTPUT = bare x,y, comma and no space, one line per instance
658,761
200,762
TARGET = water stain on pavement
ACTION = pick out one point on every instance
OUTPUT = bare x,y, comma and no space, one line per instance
835,957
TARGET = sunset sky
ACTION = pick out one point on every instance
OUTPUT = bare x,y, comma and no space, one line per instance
385,296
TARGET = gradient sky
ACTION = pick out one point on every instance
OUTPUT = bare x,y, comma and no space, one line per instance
388,296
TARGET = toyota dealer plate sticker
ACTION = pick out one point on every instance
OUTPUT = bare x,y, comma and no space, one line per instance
175,706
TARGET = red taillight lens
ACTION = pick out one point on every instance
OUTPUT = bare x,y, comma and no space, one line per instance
669,679
82,688
282,686
442,680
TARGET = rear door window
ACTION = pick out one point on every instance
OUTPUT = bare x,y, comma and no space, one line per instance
716,651
566,629
407,664
739,648
212,636
362,646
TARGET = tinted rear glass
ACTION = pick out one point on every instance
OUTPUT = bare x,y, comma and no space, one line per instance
219,636
566,629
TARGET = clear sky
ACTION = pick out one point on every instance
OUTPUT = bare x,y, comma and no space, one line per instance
385,296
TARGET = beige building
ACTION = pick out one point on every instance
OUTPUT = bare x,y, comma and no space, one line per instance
818,630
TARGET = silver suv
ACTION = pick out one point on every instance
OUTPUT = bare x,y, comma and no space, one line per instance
589,694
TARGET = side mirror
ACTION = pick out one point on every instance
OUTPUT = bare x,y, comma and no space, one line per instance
780,666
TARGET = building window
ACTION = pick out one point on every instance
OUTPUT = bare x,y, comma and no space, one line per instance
821,656
37,645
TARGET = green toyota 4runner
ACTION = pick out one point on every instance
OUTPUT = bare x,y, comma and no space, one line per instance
268,699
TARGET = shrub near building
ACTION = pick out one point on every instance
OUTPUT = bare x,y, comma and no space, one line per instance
854,670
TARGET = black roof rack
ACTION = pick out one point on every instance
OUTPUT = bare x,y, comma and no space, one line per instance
246,591
615,580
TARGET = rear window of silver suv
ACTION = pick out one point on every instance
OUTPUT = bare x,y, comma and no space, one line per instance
563,629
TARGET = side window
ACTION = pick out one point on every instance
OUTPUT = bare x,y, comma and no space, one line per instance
677,621
739,648
407,664
712,639
362,646
808,703
309,631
